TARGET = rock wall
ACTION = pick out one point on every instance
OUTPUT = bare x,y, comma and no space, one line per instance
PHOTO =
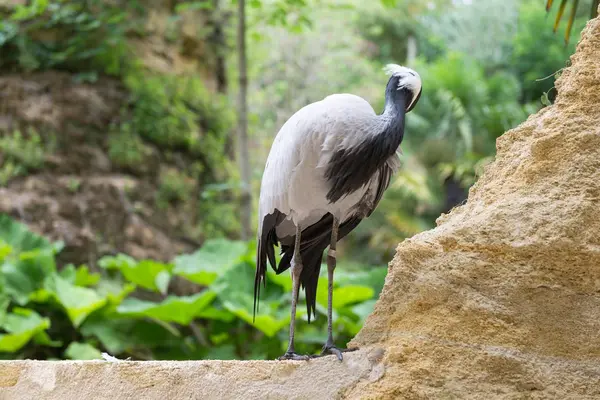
79,195
500,301
503,296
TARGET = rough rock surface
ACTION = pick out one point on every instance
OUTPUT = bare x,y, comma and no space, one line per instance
500,301
80,197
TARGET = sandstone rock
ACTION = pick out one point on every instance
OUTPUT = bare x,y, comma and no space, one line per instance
500,301
502,298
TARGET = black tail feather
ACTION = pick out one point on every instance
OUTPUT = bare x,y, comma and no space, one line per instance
314,241
266,242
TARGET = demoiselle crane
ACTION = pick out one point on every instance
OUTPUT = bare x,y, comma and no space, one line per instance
327,169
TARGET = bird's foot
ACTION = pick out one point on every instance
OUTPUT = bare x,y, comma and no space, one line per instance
290,355
329,348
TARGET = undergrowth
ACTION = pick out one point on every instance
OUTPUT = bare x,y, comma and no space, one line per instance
125,306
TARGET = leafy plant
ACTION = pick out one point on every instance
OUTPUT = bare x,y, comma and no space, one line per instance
80,36
126,149
173,186
177,112
538,54
21,154
127,310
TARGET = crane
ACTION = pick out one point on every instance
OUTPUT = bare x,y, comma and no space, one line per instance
327,169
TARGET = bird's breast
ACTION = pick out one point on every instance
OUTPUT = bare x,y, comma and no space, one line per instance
308,190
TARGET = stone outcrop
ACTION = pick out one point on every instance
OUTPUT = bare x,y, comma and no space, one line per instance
80,195
501,300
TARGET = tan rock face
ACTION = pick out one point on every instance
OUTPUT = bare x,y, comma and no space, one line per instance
503,296
501,300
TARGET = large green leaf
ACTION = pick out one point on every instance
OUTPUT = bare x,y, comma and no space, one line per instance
235,291
284,279
19,237
363,309
42,338
373,277
268,324
21,278
82,351
213,259
78,302
216,314
179,309
119,335
21,325
343,296
4,303
5,250
79,276
151,275
30,260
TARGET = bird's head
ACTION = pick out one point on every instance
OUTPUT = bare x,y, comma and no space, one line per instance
404,79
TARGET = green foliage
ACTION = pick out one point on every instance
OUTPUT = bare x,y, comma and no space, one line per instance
177,112
538,53
464,109
127,149
81,36
77,314
483,30
21,325
173,186
208,263
179,309
148,274
21,154
82,351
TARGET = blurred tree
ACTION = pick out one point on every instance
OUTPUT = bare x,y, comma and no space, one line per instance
392,26
243,151
476,29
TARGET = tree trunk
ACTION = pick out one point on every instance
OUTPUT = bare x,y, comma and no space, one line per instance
219,41
218,38
411,50
243,155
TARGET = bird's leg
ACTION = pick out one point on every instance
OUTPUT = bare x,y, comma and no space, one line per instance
329,347
296,269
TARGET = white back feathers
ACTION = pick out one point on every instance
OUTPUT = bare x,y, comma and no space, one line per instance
409,79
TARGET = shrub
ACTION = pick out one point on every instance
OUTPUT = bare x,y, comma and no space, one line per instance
79,36
74,312
21,154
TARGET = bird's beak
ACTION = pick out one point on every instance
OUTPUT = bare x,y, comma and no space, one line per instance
414,103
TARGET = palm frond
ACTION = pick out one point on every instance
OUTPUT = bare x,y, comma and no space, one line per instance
561,11
571,19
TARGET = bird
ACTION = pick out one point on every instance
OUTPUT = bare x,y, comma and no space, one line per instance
326,171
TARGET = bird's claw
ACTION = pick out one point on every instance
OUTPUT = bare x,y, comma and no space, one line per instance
331,349
293,356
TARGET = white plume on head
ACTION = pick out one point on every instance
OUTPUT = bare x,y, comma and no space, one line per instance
409,78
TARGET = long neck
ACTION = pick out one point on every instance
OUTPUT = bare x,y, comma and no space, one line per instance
391,119
351,169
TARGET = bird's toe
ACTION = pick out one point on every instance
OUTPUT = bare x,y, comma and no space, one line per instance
331,349
293,356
